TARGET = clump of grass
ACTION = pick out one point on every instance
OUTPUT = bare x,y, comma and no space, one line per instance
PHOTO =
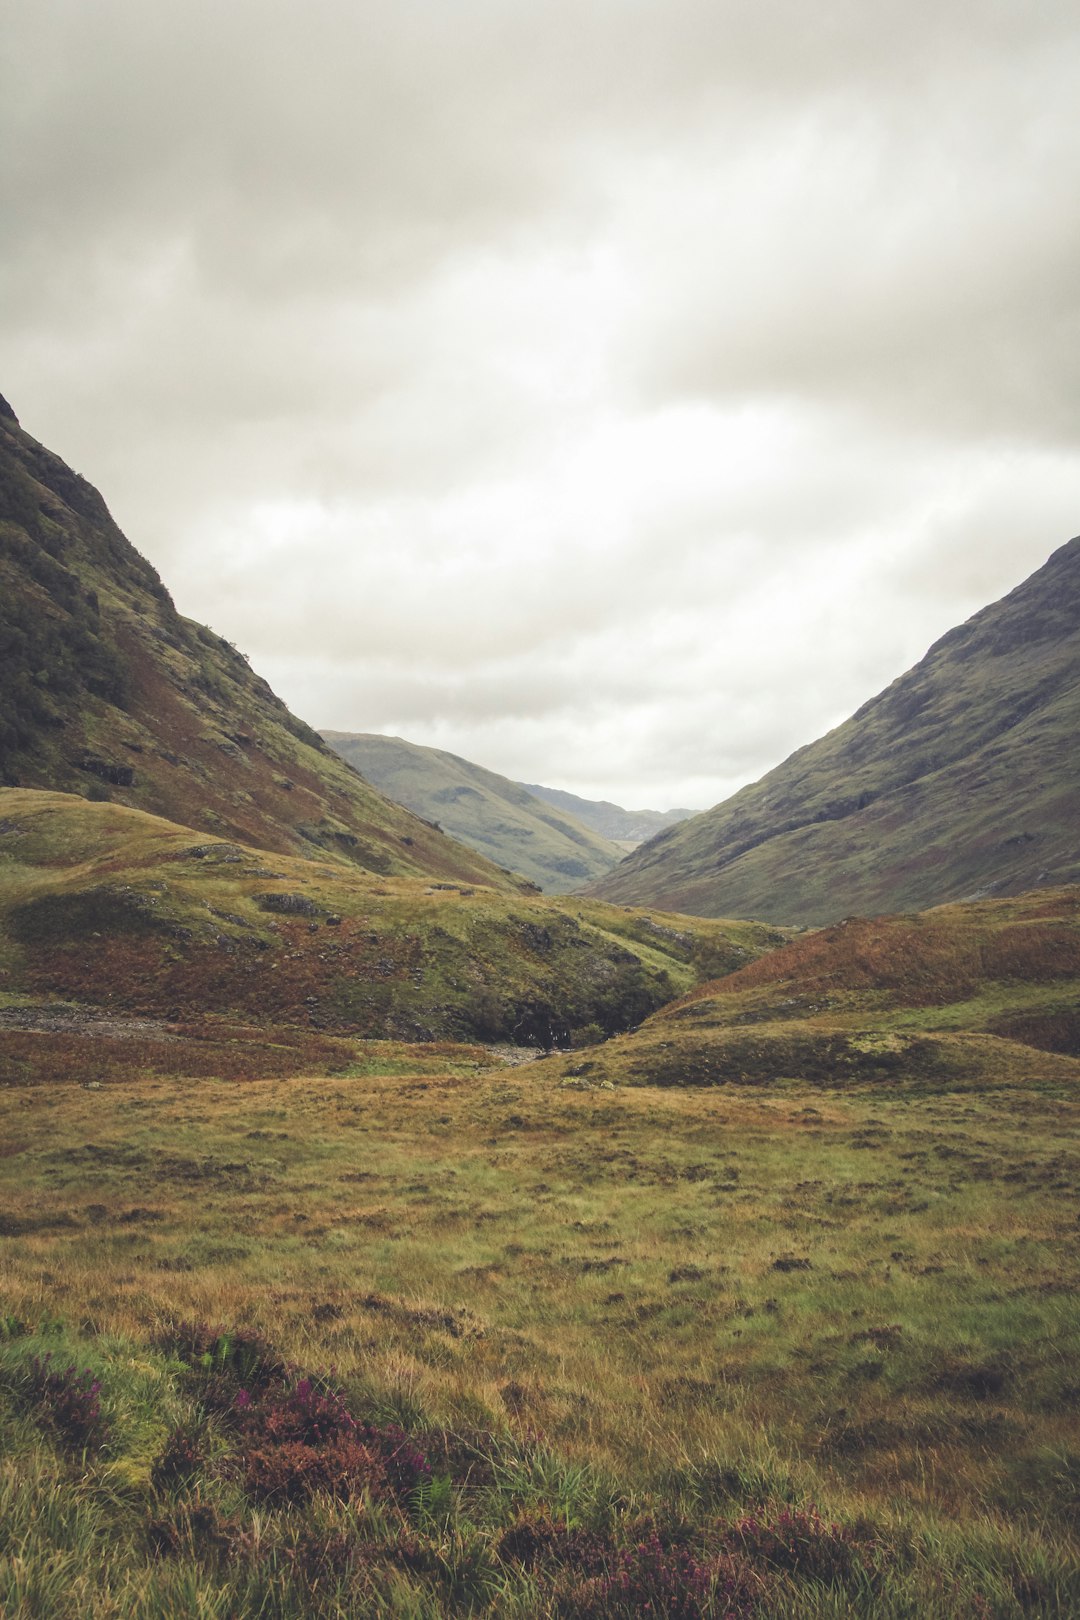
181,1460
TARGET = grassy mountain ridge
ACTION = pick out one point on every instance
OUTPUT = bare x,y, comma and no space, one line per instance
502,819
109,691
960,778
627,828
109,908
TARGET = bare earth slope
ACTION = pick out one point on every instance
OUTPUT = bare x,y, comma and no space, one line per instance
500,818
962,778
108,692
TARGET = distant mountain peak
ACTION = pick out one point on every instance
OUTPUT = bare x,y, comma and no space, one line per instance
627,828
502,819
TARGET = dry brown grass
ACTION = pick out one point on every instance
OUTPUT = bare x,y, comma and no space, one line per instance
650,1278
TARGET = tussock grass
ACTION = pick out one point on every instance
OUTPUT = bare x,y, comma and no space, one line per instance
628,1312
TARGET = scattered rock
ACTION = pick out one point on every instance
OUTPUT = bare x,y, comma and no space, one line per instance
107,770
288,905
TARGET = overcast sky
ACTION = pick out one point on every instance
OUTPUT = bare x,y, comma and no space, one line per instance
614,392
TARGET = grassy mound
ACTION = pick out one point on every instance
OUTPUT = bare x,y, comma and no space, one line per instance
110,908
962,996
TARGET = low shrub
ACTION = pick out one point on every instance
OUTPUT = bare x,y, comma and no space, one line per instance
650,1578
798,1541
68,1402
291,1471
294,1443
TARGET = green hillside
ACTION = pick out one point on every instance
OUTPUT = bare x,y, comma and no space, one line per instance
105,907
109,692
627,828
962,778
503,820
965,997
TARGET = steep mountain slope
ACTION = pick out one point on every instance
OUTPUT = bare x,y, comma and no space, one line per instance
110,908
969,995
962,778
500,818
108,691
627,828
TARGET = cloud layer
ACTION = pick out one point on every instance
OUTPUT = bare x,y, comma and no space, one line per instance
615,392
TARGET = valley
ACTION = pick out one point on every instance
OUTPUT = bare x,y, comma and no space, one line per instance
381,1235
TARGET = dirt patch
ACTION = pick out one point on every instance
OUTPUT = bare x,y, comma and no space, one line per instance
63,1017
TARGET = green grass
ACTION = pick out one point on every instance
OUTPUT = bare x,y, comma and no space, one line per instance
105,906
614,1309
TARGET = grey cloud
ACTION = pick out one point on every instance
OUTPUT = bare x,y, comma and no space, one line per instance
633,387
913,257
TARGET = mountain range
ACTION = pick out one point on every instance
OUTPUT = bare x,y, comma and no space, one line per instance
625,828
961,779
594,1350
176,845
510,824
958,781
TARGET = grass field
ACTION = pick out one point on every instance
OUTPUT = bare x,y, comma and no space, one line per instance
794,1351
